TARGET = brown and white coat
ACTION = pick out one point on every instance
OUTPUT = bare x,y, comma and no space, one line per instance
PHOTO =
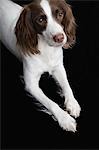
36,35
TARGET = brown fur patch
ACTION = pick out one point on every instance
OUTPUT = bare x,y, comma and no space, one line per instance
28,26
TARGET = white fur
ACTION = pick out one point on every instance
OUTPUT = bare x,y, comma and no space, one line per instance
50,59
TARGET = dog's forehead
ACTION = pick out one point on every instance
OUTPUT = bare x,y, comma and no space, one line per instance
46,7
49,5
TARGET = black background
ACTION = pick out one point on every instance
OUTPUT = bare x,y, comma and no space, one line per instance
25,127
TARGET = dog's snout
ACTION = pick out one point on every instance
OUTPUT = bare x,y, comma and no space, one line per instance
58,38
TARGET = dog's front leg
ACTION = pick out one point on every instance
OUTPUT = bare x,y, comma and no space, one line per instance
32,86
70,102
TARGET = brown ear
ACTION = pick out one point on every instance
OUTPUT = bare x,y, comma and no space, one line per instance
25,33
69,27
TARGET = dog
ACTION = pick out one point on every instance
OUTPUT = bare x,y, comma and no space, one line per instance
36,34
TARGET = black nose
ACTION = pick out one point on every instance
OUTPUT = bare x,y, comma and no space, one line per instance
58,38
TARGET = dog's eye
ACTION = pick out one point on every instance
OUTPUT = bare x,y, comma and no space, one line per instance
42,19
59,14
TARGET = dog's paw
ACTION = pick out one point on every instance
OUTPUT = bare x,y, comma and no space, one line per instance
66,121
73,107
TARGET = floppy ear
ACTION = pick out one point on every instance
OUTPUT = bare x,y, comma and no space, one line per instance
69,27
25,33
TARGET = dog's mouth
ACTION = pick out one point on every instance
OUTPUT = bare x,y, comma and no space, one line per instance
57,44
51,42
58,40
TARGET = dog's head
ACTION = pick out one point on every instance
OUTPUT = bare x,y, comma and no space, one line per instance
51,19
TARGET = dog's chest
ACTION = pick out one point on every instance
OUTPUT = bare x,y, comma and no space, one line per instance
50,56
46,61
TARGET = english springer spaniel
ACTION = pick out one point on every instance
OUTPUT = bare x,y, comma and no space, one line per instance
36,34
